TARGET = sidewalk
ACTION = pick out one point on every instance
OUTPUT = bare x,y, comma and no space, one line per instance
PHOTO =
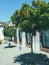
7,54
19,56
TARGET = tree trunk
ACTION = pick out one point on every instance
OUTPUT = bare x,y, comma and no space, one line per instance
31,43
31,48
32,62
9,43
11,38
0,42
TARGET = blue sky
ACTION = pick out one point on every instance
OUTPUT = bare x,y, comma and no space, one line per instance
7,8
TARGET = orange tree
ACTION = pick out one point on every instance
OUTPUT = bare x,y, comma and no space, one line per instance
32,18
24,18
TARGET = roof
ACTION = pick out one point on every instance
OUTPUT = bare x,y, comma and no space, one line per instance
9,23
2,24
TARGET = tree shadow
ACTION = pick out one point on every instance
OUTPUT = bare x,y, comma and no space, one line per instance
12,46
37,59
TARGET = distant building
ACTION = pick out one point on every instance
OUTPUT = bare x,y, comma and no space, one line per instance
2,24
9,23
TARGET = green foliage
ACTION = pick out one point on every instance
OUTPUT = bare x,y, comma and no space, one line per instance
8,31
32,18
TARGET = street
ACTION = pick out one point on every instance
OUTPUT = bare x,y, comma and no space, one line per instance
7,54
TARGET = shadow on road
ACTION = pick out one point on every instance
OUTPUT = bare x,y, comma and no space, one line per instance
37,59
12,46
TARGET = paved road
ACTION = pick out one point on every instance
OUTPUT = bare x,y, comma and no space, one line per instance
17,55
7,54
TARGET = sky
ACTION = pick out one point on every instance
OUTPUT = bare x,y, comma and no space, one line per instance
7,8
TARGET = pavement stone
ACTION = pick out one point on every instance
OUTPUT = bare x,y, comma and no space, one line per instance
7,54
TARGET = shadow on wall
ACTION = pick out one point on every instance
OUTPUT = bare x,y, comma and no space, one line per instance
37,59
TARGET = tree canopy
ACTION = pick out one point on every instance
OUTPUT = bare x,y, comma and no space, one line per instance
9,31
32,18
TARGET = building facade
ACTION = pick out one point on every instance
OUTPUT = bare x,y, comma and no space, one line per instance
1,30
40,41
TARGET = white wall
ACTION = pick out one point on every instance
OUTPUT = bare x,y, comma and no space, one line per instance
17,30
36,42
1,33
23,39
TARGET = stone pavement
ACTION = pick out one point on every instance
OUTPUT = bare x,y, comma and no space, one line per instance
18,55
7,54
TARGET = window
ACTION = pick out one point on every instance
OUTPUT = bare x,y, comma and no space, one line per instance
45,36
28,38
